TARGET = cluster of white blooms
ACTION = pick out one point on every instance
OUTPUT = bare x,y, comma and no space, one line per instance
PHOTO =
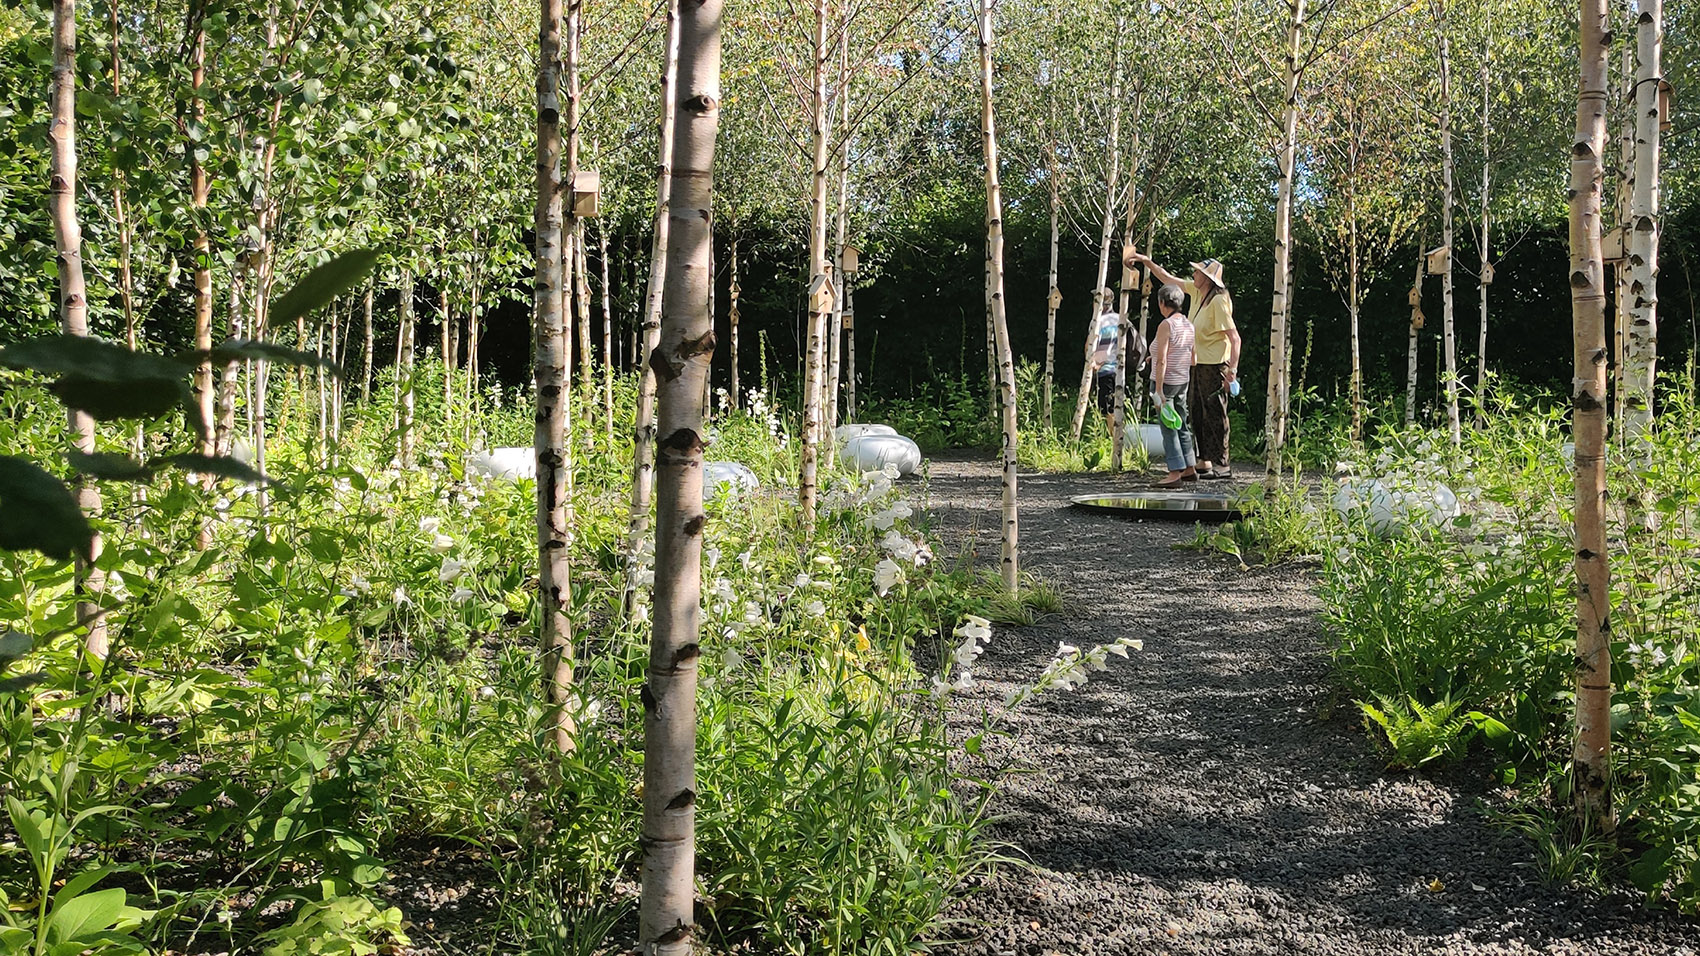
976,633
861,491
1647,655
1071,668
883,520
887,575
357,586
756,401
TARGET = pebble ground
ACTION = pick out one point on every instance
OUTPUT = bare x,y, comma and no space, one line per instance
1214,794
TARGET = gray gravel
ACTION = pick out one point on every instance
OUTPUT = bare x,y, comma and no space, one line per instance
1214,794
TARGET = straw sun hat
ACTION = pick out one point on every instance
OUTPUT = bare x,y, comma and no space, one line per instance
1212,270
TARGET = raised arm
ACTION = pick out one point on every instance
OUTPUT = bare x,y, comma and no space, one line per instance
1158,272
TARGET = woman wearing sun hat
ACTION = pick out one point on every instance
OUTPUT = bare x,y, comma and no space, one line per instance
1216,357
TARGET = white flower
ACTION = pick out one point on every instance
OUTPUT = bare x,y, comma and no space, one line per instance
887,574
900,547
712,555
640,614
451,569
429,525
400,598
815,608
891,471
461,596
802,581
486,692
442,543
731,660
1066,650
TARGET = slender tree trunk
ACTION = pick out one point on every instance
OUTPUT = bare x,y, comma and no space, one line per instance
1620,273
366,345
734,292
643,450
73,293
1484,273
581,295
550,369
226,428
404,371
1353,295
1275,424
199,191
666,913
1416,326
1054,296
1009,561
1118,417
814,372
1099,290
1641,342
1448,329
445,318
607,331
1592,758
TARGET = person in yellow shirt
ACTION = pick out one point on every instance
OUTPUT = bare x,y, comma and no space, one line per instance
1216,357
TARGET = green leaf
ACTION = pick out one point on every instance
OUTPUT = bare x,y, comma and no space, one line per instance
85,915
109,466
87,358
323,284
14,645
113,400
12,685
213,465
37,512
235,350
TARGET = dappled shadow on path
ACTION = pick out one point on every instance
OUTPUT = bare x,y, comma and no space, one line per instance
1212,795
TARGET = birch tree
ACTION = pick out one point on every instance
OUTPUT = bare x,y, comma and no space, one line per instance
1591,762
73,291
1448,330
1641,337
1010,557
666,916
1113,188
643,448
819,279
550,371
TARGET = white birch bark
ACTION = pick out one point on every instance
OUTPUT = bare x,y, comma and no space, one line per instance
1106,235
681,366
1640,352
1275,419
1009,559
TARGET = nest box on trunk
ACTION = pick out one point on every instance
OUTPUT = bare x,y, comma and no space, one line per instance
1611,245
587,193
1439,260
851,257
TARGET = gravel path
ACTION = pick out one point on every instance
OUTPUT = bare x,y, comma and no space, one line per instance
1210,795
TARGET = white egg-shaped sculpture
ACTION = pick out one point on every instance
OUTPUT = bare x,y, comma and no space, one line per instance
873,452
1389,508
727,478
1147,436
507,464
844,433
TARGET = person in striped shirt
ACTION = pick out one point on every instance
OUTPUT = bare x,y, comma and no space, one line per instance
1171,374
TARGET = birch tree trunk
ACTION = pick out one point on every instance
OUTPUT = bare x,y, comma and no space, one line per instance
1275,419
550,369
1642,336
1484,272
1592,756
1054,295
1416,298
643,448
666,917
366,344
73,292
581,296
1118,415
446,341
404,371
813,372
1353,296
1620,272
1107,234
734,292
225,429
607,330
835,364
1009,559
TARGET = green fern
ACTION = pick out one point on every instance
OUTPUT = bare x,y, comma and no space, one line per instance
1416,734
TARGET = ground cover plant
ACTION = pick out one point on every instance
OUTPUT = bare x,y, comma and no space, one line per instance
1455,629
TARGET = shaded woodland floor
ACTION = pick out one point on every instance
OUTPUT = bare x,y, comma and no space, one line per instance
1215,794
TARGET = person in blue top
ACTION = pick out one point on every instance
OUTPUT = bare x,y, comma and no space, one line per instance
1106,353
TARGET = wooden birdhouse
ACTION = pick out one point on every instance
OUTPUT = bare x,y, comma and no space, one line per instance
1417,318
1056,297
1665,118
821,294
852,259
587,194
1439,260
1611,245
1415,297
1487,273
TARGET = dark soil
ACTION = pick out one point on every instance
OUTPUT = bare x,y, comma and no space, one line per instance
1214,794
